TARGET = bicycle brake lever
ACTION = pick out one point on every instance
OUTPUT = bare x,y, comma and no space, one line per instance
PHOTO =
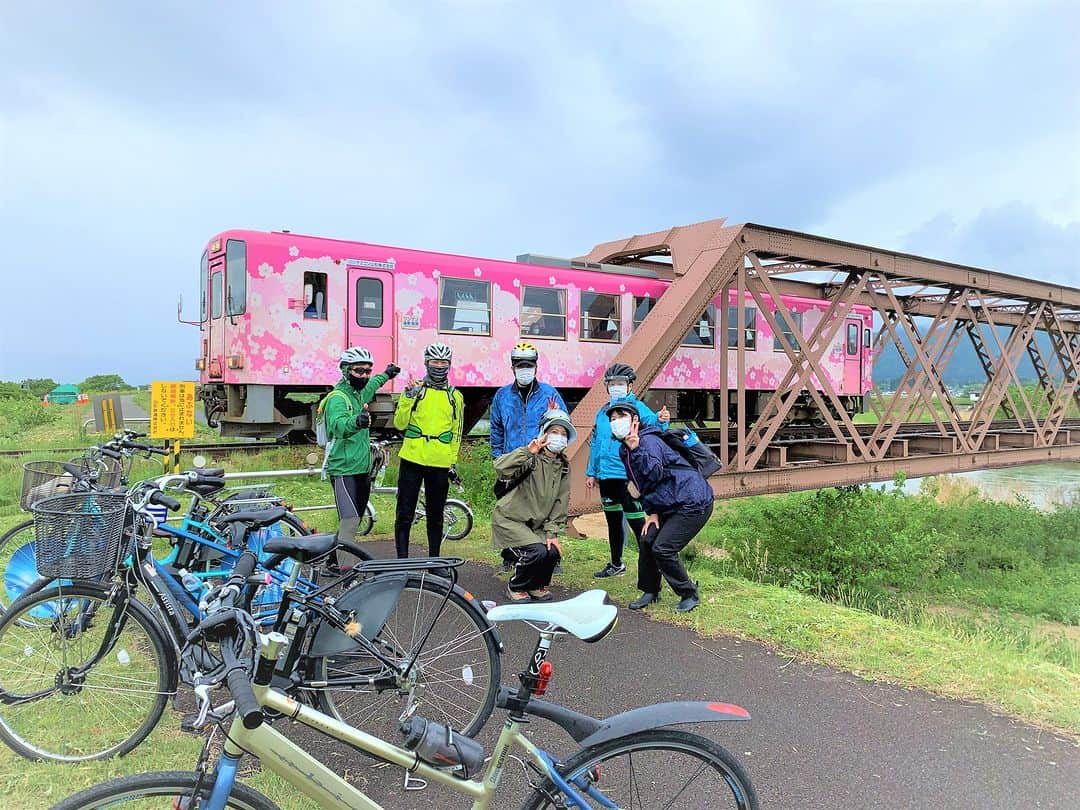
202,692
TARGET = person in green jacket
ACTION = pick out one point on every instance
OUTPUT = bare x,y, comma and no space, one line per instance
348,457
531,515
431,415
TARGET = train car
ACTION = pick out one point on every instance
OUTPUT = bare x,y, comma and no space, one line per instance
277,309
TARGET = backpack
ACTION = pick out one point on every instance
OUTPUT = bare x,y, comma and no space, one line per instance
694,451
321,437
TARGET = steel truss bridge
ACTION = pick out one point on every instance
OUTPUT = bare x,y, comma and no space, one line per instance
925,308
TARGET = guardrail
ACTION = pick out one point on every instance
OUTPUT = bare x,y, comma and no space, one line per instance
132,419
376,489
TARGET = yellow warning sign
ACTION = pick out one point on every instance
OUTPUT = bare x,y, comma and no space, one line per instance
172,410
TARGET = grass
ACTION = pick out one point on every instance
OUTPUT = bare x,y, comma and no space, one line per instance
974,642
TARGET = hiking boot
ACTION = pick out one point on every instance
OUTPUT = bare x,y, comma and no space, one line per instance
688,603
643,600
610,570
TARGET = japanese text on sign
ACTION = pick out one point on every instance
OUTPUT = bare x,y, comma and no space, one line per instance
172,410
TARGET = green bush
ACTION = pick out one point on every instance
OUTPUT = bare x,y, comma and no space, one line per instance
18,414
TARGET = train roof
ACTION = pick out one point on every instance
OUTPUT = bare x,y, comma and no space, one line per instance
578,264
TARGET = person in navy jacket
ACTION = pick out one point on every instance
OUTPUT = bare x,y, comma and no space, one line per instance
607,470
678,502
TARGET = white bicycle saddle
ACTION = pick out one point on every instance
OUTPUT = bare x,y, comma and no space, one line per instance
585,616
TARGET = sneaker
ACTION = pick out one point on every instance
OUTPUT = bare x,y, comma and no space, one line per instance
542,595
610,570
518,597
688,603
507,566
643,600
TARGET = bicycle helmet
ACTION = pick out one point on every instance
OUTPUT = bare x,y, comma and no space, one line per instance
438,351
557,416
524,352
354,355
623,405
620,371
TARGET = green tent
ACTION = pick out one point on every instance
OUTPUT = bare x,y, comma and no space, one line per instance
63,395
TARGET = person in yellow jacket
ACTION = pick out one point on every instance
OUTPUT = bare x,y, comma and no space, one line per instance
431,415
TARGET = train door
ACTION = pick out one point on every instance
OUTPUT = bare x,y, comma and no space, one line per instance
853,357
371,313
215,332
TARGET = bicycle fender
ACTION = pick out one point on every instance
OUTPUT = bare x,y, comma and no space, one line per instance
663,714
370,604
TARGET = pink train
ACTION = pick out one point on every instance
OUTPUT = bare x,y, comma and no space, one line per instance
277,309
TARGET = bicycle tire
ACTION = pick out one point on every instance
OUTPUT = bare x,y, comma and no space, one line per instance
457,520
367,521
71,724
628,789
457,675
162,784
23,572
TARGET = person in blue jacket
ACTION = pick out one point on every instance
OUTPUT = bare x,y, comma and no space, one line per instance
607,470
678,502
516,411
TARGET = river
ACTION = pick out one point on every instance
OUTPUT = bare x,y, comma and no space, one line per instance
1044,485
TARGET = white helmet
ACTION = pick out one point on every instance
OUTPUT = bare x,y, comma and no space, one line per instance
353,355
438,351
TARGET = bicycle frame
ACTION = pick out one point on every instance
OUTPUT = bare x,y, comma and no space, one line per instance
319,783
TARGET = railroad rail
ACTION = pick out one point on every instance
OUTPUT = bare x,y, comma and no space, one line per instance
239,447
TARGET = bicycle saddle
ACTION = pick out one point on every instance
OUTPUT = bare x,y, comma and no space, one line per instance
206,485
585,616
255,518
211,472
302,549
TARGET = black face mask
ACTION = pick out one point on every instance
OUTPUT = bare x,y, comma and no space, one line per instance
359,382
438,376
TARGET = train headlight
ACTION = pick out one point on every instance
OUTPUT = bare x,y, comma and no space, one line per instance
236,361
200,364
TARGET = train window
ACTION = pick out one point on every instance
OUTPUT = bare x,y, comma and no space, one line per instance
701,333
215,294
852,339
749,324
204,281
642,307
236,276
866,338
369,302
315,296
464,306
600,317
543,312
788,332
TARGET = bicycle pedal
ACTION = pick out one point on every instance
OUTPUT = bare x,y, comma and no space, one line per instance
189,724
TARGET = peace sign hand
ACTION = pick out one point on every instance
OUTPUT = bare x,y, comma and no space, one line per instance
538,444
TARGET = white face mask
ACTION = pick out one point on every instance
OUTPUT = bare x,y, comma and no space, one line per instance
620,427
524,376
618,390
556,442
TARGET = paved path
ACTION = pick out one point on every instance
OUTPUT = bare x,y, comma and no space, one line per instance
818,738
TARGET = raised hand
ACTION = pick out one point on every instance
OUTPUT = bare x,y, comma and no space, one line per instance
537,444
633,440
664,415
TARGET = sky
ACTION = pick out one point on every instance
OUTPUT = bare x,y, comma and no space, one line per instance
130,133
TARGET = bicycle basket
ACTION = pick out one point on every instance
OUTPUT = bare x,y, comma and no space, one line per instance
42,479
78,535
108,470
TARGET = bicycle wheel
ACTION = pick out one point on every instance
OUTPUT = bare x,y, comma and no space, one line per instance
367,521
164,790
455,678
17,564
62,713
457,520
655,769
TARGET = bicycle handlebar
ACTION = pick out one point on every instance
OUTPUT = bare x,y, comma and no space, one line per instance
247,707
161,499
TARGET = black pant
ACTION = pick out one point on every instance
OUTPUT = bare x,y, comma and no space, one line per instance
436,482
351,494
618,503
660,552
533,566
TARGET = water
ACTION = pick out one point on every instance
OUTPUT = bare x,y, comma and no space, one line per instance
1044,485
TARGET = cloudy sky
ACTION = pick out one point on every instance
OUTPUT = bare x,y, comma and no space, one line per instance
132,132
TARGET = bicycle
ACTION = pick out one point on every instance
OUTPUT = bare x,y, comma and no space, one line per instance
395,631
604,772
458,516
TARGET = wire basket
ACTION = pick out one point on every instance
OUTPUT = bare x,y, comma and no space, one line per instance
43,479
78,535
108,470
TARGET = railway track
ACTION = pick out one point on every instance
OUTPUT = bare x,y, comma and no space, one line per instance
238,447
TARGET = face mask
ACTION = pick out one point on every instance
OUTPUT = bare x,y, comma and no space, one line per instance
618,391
358,382
620,427
524,376
438,376
556,442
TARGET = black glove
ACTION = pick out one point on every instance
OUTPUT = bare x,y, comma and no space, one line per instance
363,420
392,371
